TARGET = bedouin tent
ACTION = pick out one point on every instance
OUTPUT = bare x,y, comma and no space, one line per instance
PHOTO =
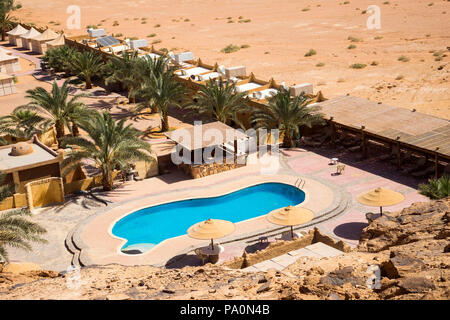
26,38
38,43
58,42
15,34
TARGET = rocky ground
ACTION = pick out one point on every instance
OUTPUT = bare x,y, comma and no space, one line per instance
411,249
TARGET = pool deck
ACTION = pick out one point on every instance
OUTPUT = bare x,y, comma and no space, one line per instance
331,197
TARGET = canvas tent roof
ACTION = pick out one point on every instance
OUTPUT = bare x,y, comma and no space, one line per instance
7,57
31,34
60,41
46,35
17,31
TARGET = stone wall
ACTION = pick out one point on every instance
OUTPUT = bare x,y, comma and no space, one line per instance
205,170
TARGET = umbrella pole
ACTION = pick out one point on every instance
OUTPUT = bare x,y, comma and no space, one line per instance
381,211
292,232
212,244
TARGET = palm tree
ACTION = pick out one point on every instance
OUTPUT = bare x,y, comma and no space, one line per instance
15,229
287,114
87,65
20,124
56,107
109,144
436,188
160,92
125,71
218,100
6,21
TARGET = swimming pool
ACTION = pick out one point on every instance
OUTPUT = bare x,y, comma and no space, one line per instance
152,225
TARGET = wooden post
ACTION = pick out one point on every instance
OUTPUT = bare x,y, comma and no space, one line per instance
235,150
436,164
16,180
364,142
333,131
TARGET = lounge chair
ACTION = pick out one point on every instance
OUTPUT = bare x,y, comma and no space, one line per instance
391,155
200,255
355,148
406,158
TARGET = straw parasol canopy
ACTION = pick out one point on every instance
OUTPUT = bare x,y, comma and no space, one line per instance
290,216
211,229
380,197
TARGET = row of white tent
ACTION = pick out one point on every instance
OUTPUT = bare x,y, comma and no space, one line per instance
34,40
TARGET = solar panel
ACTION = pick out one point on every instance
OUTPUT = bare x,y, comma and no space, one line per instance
107,41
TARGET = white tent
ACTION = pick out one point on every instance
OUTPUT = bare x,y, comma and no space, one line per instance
26,38
15,34
38,43
58,42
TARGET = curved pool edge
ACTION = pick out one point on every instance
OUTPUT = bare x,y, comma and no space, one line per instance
220,194
98,246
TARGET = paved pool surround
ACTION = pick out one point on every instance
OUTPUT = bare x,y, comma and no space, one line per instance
100,246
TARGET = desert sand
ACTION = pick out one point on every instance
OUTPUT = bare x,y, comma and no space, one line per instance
280,33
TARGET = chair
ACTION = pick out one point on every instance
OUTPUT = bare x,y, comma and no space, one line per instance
340,169
421,162
200,255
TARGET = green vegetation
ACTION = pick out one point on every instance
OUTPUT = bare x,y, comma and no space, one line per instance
358,66
374,63
218,100
58,59
403,59
378,37
16,229
87,65
56,108
436,188
20,124
320,64
109,145
6,20
288,115
156,41
310,53
230,49
306,9
353,39
399,77
157,25
245,46
352,46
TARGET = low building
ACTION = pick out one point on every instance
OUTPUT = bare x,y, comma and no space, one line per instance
209,148
14,36
7,85
28,161
39,43
9,64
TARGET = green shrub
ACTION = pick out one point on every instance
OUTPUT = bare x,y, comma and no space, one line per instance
358,66
310,53
320,64
230,48
403,59
436,188
352,46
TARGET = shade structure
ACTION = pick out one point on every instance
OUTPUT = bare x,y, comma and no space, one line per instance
14,35
290,216
380,197
58,42
211,229
38,43
26,38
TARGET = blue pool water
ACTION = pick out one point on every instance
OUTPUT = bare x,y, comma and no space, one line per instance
155,224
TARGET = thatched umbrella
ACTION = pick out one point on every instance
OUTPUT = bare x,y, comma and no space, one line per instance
211,229
290,216
380,197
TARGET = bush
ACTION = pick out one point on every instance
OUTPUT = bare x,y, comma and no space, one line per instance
436,188
352,46
403,59
59,59
310,53
320,64
358,66
230,48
